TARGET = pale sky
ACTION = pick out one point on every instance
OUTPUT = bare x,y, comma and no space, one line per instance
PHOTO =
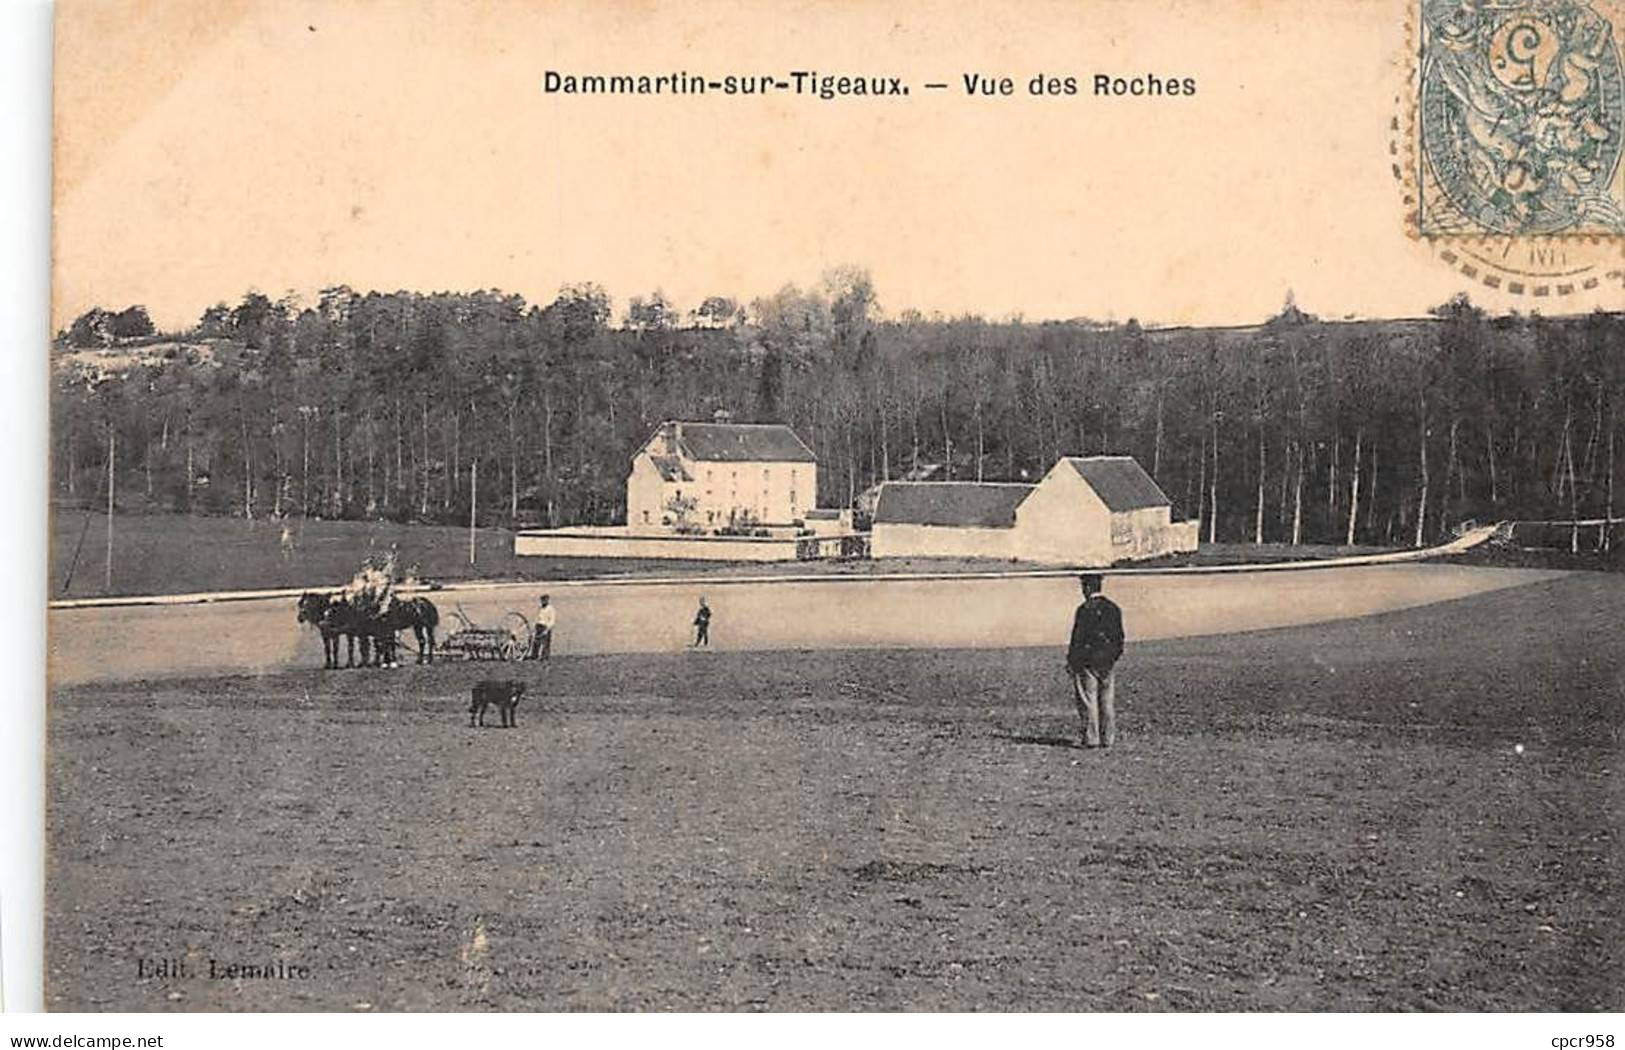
204,148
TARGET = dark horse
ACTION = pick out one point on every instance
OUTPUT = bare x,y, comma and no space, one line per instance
418,614
335,616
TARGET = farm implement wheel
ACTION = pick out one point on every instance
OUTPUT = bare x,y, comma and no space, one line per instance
506,642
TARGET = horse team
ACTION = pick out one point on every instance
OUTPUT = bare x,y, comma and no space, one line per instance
338,617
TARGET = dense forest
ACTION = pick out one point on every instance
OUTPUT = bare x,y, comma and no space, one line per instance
370,405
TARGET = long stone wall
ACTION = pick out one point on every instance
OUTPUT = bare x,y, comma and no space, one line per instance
1150,538
616,542
933,541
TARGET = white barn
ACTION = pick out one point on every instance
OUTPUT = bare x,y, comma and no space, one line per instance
720,474
1087,511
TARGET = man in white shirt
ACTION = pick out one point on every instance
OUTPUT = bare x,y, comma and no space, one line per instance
541,638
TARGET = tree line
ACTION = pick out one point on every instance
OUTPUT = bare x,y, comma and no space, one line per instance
409,406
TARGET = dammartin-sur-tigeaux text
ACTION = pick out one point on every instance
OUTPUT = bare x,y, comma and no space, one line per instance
829,86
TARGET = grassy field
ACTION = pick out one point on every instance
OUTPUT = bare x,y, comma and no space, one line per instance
176,554
1326,818
1510,557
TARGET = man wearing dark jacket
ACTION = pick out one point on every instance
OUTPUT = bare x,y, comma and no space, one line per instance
702,626
1097,642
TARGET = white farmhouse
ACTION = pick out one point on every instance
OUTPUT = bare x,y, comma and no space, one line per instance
1087,511
699,477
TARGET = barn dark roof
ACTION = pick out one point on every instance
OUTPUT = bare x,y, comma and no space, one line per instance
741,442
967,504
1120,482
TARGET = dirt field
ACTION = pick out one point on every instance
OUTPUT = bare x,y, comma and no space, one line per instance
1321,818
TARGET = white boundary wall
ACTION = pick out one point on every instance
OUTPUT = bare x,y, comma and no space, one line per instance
618,542
644,615
1464,542
903,540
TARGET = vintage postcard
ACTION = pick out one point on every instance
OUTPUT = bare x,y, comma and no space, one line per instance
713,506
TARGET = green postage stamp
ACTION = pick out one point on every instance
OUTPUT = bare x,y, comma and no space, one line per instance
1519,127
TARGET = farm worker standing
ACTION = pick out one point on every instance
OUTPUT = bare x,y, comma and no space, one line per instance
541,639
702,625
1097,643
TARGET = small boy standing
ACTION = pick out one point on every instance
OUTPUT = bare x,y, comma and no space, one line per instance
702,625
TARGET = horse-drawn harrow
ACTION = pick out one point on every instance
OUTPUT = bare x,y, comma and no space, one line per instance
507,641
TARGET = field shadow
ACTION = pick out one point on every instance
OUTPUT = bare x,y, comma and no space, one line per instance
1070,743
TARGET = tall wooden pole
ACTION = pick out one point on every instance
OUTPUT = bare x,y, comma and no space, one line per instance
1422,456
107,581
1354,488
1213,484
1608,515
473,505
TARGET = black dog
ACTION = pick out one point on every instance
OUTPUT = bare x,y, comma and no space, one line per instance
505,694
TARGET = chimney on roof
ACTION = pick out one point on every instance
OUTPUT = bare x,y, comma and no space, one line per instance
722,415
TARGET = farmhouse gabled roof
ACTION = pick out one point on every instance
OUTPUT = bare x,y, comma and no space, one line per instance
738,442
1120,482
967,504
671,468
